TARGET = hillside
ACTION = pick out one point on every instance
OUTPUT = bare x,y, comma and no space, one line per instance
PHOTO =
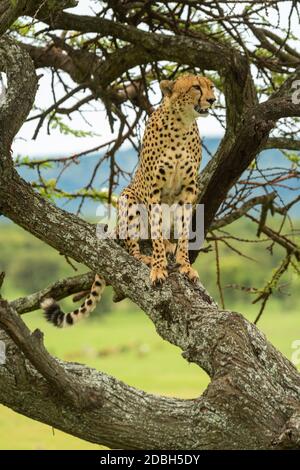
78,174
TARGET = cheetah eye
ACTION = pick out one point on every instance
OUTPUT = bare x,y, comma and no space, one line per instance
196,87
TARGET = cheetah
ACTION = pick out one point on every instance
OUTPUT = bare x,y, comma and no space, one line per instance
167,174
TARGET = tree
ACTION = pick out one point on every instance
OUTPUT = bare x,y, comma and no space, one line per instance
114,56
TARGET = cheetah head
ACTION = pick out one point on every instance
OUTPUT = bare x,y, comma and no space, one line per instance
190,95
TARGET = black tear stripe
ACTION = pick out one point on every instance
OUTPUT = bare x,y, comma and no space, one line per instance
200,89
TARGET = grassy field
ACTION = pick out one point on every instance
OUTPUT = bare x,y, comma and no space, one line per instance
126,345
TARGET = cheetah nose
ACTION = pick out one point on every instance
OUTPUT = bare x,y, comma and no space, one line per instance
211,100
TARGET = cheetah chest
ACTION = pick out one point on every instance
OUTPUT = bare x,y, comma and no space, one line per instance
175,165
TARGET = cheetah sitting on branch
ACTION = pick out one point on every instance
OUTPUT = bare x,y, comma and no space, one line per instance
167,174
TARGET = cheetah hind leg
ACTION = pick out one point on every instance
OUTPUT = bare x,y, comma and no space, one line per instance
169,247
129,224
189,272
133,248
145,259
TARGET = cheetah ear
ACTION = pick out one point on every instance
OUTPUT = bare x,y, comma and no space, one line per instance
166,87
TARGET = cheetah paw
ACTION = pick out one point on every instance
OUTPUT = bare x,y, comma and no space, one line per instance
189,272
158,275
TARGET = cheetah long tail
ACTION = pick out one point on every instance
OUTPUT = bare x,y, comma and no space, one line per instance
55,315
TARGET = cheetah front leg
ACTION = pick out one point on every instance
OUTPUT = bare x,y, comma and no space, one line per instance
129,224
159,260
183,221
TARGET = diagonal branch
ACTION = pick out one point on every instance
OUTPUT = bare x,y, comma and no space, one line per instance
89,72
283,143
290,246
58,290
233,157
242,210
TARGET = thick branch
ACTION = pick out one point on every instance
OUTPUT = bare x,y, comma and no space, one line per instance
22,85
184,50
282,143
246,405
232,158
128,418
277,108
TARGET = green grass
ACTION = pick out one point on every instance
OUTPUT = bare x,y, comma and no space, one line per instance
125,344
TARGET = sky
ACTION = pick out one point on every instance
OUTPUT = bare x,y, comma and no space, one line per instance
60,144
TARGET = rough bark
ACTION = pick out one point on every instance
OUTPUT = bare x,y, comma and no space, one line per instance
254,395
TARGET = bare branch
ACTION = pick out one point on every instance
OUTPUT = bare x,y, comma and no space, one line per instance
282,143
290,246
2,276
241,211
